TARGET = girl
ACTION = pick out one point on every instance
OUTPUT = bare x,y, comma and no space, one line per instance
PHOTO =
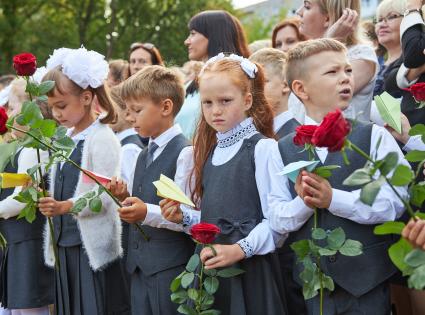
88,243
231,142
211,32
26,288
286,34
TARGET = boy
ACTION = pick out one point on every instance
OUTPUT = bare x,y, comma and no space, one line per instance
154,96
319,74
276,88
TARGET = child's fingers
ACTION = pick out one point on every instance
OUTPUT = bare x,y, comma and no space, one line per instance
214,262
130,201
420,240
406,231
206,254
417,228
312,182
45,200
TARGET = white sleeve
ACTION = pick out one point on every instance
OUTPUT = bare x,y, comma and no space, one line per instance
263,239
414,143
9,207
410,20
401,78
387,207
363,52
129,155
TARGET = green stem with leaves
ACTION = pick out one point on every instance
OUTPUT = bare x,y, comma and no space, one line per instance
199,299
117,202
367,157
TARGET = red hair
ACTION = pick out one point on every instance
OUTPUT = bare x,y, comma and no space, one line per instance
260,111
293,22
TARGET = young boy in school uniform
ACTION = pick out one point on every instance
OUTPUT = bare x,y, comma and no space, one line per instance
319,73
154,96
276,88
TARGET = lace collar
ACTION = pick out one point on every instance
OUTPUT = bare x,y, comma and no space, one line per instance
234,135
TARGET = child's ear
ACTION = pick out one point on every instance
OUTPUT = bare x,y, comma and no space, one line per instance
298,88
285,88
86,97
248,101
167,107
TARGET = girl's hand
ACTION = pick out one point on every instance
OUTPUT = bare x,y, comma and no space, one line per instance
134,210
403,137
414,232
226,256
171,211
118,188
345,25
50,207
316,190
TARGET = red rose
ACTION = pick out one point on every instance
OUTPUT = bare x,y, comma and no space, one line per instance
25,64
3,120
204,233
304,134
418,91
331,132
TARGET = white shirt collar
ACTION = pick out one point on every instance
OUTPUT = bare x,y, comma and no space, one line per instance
166,136
281,119
244,123
310,121
125,133
83,134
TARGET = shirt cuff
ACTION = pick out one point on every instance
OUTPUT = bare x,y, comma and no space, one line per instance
401,78
187,218
414,143
246,247
409,21
153,214
342,203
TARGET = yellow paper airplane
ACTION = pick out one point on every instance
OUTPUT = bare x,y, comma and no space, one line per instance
389,109
167,188
11,180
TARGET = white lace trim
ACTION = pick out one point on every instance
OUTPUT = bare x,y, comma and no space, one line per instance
246,247
243,129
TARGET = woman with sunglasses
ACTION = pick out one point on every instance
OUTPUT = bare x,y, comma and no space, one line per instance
210,32
143,54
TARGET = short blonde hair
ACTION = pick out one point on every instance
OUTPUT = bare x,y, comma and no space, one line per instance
271,57
296,68
115,93
17,88
157,83
387,6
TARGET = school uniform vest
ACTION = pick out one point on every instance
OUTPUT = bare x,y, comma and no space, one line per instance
65,226
15,231
287,128
135,139
358,274
165,249
233,205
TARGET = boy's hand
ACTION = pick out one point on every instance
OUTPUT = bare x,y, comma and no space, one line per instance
316,190
118,188
414,232
405,128
298,186
226,256
171,211
134,210
50,207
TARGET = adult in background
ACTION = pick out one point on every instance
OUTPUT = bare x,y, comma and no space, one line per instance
119,70
210,33
143,54
286,34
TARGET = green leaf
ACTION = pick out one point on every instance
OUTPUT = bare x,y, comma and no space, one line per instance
192,294
187,279
415,258
398,252
210,312
328,283
418,129
8,151
389,228
45,87
64,143
42,98
351,248
415,156
370,191
402,176
32,88
309,270
390,161
318,234
210,272
33,193
325,171
79,205
230,272
31,213
358,177
186,309
179,297
211,284
48,128
193,263
308,291
327,251
95,204
60,132
336,238
417,194
207,300
301,248
417,278
175,284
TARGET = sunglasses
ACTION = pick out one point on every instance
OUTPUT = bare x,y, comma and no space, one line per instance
147,46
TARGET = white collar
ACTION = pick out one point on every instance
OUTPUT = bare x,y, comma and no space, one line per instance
281,119
125,133
310,121
244,123
82,135
166,136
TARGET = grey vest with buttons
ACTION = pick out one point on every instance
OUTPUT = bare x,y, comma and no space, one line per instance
67,233
358,274
165,249
13,230
233,205
287,128
135,139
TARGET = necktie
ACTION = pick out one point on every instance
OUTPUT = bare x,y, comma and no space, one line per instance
151,149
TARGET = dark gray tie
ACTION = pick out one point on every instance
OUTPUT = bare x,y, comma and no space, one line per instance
151,149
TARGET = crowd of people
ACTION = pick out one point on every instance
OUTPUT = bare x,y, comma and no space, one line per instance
222,128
